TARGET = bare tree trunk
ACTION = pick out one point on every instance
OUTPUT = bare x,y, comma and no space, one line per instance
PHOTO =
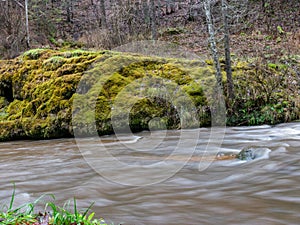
212,42
103,14
227,50
159,7
170,7
69,6
153,20
190,15
263,5
27,24
146,12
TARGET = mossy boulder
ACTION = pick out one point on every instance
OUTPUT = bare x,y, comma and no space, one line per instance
38,88
47,93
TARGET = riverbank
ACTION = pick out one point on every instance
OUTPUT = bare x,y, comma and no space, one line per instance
38,90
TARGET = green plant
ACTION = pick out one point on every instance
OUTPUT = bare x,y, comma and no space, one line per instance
25,215
280,30
20,215
64,216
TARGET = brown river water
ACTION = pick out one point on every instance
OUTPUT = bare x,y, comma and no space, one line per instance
155,187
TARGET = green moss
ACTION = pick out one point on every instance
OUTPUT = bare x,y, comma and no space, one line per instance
3,102
53,63
272,65
15,109
11,130
41,91
209,62
77,52
153,113
3,109
33,54
240,66
196,92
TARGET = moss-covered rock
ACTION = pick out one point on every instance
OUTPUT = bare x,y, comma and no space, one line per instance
37,91
112,90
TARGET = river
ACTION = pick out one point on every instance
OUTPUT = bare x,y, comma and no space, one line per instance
263,191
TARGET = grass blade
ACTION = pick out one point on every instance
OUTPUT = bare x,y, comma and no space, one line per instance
88,209
12,198
75,209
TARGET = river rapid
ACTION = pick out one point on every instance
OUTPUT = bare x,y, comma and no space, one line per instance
263,191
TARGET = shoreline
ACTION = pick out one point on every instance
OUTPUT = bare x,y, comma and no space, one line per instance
83,137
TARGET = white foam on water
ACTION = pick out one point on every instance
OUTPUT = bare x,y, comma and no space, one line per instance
120,140
279,150
134,140
261,153
234,162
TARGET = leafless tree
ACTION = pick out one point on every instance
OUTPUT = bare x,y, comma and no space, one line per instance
103,14
227,49
12,36
212,41
221,16
27,24
153,20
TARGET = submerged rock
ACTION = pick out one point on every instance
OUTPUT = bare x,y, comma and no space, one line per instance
253,153
246,153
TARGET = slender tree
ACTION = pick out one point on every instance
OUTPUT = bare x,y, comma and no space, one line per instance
212,41
227,50
27,24
70,12
146,13
153,20
170,6
103,14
